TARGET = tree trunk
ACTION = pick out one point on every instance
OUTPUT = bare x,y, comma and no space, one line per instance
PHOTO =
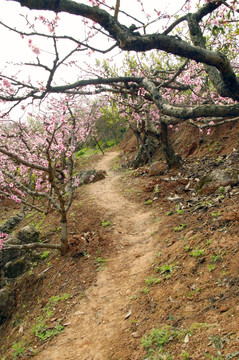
173,160
145,153
64,235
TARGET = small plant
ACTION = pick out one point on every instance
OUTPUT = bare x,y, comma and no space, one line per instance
44,255
150,281
195,291
208,242
166,270
187,248
43,332
100,263
180,227
145,291
41,329
215,214
156,339
185,355
105,223
216,257
168,213
148,202
18,349
197,252
211,267
178,209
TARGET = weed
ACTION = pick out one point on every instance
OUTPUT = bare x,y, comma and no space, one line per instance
178,209
221,189
197,252
100,263
166,270
44,255
208,242
18,349
133,297
55,299
148,202
216,257
41,329
150,281
154,342
43,332
218,344
211,267
105,223
187,248
185,355
145,291
168,213
195,291
180,227
215,214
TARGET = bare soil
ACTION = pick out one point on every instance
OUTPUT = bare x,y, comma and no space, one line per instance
139,260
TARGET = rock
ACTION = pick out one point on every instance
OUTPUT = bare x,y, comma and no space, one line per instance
28,235
7,255
6,304
14,262
15,268
157,168
219,177
11,223
233,157
88,176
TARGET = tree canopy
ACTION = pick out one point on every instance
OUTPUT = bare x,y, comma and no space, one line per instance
205,34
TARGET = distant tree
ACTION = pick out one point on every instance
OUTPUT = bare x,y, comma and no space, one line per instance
37,164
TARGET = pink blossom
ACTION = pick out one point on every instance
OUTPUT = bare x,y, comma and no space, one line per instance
76,182
208,131
3,236
15,198
91,178
68,154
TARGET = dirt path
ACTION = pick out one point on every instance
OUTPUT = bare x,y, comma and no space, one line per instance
100,317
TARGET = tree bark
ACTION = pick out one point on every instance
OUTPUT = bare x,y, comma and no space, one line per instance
64,235
173,160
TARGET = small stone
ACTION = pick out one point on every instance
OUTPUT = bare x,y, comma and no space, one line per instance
135,334
157,168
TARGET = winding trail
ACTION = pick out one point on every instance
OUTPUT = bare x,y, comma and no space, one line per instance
100,317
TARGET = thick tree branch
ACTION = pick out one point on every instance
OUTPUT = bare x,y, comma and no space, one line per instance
128,40
22,161
31,246
186,113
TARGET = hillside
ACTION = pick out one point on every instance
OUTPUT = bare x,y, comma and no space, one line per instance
153,267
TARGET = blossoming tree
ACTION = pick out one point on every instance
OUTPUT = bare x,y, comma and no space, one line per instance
192,74
37,163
